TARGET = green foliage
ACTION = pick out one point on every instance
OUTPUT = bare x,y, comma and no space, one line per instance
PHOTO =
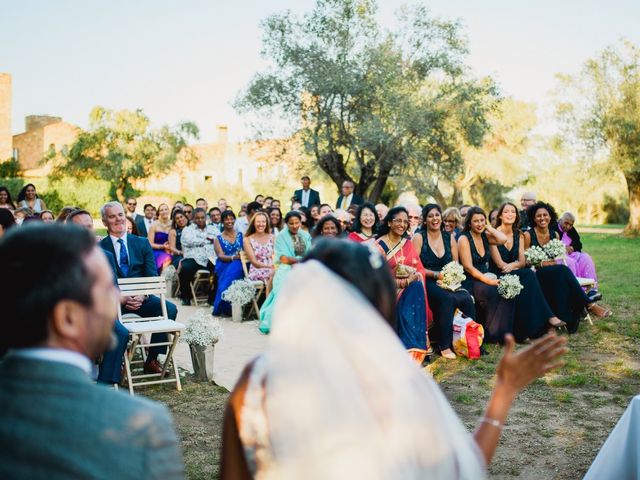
120,147
616,210
369,104
10,169
13,185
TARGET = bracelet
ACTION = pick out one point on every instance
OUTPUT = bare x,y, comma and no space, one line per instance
491,421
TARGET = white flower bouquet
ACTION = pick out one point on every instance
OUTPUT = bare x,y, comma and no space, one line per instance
535,255
509,286
169,273
240,292
452,276
555,249
202,330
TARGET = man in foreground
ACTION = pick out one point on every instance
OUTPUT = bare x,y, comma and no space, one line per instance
59,305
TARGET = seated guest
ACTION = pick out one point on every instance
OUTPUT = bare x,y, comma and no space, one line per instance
381,211
55,422
452,221
327,227
21,213
130,205
344,218
5,199
364,225
62,216
202,203
47,216
215,220
526,200
144,222
228,265
131,226
412,310
415,218
463,212
374,408
532,312
290,246
275,220
6,220
110,368
275,203
307,221
28,198
267,203
134,258
197,250
494,312
582,263
243,222
493,216
324,210
559,285
158,236
188,210
437,248
178,223
314,210
258,245
222,205
259,199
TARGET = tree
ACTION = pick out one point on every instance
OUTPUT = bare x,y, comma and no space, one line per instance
601,111
370,104
121,147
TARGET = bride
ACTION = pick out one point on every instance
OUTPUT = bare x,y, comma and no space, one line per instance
335,395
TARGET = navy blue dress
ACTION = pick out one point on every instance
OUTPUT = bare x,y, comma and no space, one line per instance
561,289
532,310
496,314
443,302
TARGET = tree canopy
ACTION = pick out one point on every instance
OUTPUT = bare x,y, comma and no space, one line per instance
369,103
602,112
121,147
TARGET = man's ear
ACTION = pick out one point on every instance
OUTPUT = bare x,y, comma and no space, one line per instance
67,320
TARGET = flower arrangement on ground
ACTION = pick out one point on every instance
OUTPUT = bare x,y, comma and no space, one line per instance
239,293
509,286
555,249
535,255
203,330
452,276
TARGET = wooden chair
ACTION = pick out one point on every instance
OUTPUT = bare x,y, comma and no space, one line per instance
141,329
587,284
258,284
201,278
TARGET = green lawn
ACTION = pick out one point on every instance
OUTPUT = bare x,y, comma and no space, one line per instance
557,425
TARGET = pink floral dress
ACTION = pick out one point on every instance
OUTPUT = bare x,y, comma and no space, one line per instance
264,254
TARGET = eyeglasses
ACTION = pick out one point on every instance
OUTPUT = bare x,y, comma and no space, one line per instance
413,217
400,221
132,204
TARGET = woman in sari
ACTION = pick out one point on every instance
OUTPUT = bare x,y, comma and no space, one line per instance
291,244
334,395
412,311
364,225
228,266
582,262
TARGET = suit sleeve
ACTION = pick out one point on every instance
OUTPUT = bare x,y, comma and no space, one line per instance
163,457
148,259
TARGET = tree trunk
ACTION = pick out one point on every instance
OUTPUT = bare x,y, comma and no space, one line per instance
439,198
120,189
633,226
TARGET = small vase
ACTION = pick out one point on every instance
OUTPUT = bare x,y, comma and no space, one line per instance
236,312
202,361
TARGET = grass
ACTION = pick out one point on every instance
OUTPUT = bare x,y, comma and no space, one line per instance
557,424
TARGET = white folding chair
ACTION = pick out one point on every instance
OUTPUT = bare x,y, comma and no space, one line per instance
201,278
258,284
587,284
141,329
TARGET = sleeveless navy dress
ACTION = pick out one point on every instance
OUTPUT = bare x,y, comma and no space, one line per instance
496,314
532,310
561,289
443,302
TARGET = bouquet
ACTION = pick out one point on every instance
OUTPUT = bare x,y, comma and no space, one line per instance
535,255
555,249
509,286
240,292
202,330
452,276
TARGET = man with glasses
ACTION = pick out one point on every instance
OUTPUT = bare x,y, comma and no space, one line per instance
415,218
526,200
131,205
347,197
188,211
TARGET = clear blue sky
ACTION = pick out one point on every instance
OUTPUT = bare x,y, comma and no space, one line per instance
186,60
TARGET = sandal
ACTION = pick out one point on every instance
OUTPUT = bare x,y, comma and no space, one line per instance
558,324
599,310
448,353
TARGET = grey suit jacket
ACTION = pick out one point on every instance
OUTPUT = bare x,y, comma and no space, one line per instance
56,423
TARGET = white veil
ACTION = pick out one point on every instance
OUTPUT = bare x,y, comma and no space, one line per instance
344,400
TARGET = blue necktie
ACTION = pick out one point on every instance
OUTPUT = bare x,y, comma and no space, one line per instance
124,258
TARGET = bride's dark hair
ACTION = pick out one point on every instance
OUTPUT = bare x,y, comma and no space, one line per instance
366,270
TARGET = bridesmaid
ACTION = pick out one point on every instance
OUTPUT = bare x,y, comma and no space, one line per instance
158,237
438,247
559,285
495,313
533,314
364,225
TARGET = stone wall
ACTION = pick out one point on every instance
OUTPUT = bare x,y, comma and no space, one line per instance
6,140
33,144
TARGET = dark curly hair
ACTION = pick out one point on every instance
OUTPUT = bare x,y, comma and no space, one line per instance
317,231
531,213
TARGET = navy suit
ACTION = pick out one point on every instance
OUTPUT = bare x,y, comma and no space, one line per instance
141,226
355,200
143,264
314,197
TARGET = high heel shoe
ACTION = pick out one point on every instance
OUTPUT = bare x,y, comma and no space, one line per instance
558,324
599,310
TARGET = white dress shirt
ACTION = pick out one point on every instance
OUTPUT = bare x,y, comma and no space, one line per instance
304,201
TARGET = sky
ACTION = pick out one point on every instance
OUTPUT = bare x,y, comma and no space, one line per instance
187,60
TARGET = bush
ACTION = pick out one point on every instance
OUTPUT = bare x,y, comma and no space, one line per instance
616,210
